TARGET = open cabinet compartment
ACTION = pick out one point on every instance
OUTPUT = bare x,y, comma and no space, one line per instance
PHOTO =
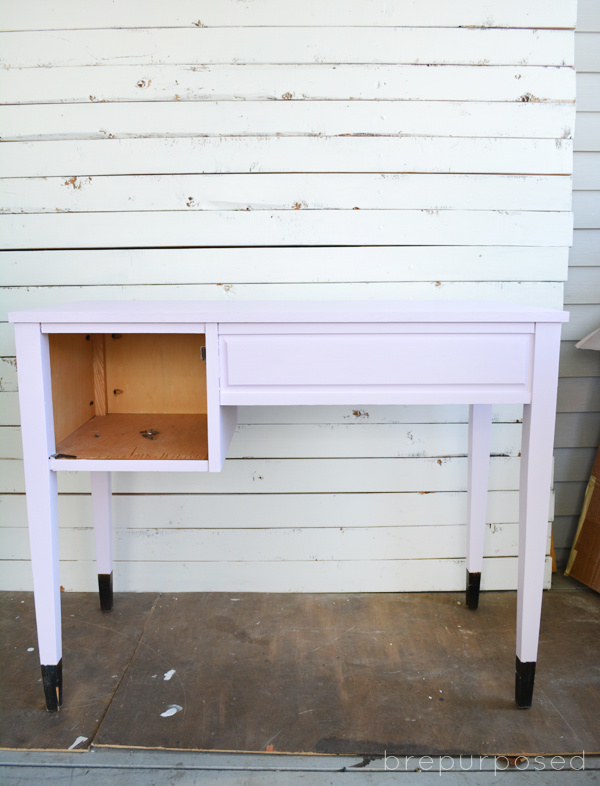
129,395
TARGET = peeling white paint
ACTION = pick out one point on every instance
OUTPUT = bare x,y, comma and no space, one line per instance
272,135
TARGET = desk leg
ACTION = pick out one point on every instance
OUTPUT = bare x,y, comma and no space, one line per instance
480,427
35,398
536,476
102,509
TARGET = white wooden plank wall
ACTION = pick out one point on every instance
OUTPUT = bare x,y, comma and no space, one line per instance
348,149
578,419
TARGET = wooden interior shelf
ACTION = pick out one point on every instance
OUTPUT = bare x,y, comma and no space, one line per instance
182,437
109,388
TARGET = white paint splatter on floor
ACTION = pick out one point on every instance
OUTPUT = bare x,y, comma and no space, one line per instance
172,710
77,742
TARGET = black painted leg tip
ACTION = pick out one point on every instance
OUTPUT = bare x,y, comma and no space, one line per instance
524,679
52,681
105,588
473,584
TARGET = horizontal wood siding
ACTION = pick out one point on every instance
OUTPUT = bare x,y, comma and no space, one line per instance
578,419
349,149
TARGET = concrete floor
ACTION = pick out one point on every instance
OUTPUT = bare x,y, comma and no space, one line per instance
96,767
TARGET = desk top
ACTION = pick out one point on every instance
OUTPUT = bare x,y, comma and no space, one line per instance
286,311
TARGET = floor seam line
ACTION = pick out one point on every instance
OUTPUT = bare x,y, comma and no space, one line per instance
126,669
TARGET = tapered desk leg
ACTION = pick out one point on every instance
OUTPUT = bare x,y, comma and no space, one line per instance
35,398
536,476
102,510
480,428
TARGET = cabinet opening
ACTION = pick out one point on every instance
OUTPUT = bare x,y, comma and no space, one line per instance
129,395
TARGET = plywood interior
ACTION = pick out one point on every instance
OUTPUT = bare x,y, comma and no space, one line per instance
99,370
122,437
155,373
72,382
107,389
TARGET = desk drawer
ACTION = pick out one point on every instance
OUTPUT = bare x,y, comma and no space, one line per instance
287,367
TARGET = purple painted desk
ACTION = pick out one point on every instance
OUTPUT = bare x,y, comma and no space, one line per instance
269,353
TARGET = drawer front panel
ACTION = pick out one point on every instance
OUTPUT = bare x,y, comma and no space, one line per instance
250,362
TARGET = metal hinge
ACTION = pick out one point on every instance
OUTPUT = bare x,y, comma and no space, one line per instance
203,353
